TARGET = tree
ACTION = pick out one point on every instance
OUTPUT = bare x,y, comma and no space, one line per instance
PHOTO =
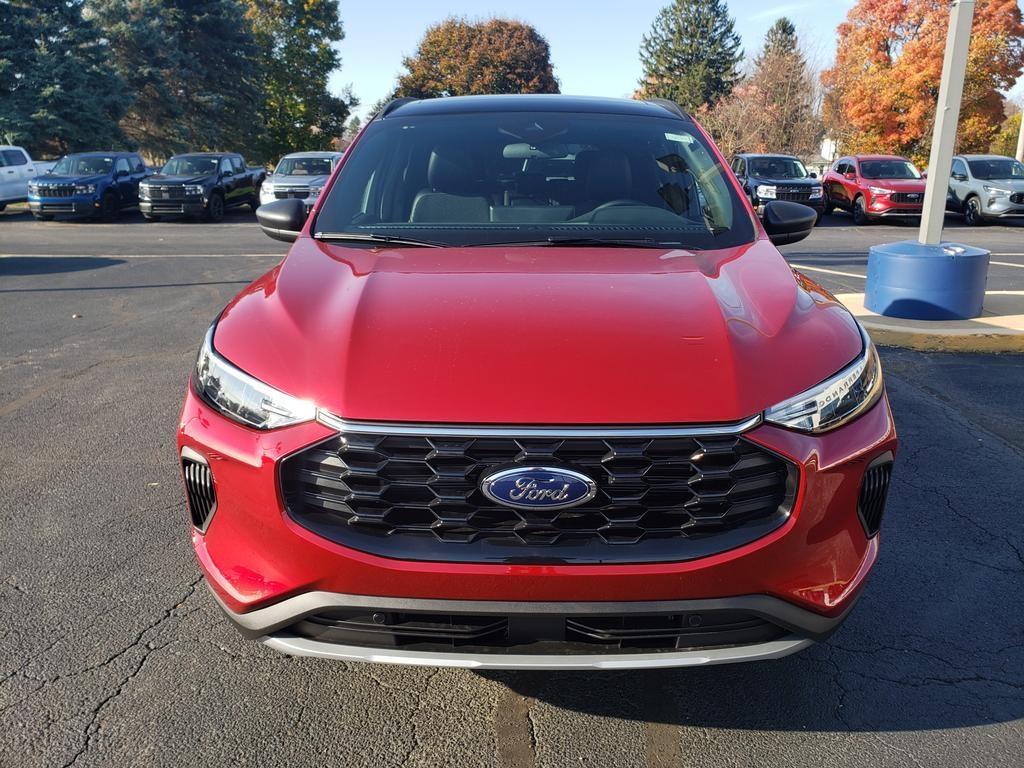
58,92
458,58
773,109
296,38
882,91
190,66
1005,141
691,55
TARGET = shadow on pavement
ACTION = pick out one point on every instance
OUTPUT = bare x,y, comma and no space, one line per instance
23,266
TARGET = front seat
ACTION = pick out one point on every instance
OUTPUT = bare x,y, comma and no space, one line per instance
609,176
449,198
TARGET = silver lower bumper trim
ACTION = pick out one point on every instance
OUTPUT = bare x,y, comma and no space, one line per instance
298,646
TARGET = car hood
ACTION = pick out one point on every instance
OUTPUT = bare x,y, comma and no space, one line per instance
159,178
786,182
301,180
1015,185
58,180
543,335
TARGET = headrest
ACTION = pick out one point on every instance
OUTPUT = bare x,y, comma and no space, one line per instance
450,169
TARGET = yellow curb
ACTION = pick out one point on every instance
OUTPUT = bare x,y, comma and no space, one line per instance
999,329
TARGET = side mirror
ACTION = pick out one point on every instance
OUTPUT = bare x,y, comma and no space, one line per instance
787,222
850,176
121,174
225,174
959,176
283,219
814,175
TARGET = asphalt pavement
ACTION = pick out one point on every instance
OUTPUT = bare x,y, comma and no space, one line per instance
112,653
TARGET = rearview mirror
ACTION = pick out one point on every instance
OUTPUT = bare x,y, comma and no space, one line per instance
787,222
282,219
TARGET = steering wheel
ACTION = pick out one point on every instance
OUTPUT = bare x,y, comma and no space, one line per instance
620,203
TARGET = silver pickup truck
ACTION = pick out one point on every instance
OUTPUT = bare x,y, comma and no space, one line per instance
17,168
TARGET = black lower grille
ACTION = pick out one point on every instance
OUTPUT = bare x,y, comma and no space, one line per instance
907,197
659,499
300,193
540,633
873,492
199,489
1017,198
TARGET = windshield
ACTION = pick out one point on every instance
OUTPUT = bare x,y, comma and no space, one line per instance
78,165
518,177
999,168
888,169
191,165
304,166
777,168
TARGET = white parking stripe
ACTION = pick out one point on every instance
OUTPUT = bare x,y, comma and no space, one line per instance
828,271
1007,264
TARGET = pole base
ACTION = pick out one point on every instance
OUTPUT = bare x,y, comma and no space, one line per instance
926,282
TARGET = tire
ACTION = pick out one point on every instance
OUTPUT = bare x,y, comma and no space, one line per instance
817,221
2,207
860,212
214,212
973,216
254,201
150,217
829,207
110,208
42,217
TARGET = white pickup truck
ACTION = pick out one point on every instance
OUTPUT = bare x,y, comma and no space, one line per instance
17,168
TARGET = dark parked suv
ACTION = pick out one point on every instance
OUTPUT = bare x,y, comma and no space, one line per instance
777,177
88,184
201,184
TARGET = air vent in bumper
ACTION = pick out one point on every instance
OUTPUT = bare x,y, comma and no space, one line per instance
199,488
873,492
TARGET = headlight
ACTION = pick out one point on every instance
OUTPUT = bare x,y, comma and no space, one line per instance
33,189
193,189
239,396
997,191
816,192
314,192
85,189
267,188
836,400
143,192
880,191
766,192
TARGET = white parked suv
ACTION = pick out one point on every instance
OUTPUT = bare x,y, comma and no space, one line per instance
299,175
16,169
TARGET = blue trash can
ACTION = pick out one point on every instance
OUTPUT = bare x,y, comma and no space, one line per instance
926,282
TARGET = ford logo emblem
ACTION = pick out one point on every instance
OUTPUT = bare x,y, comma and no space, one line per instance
538,488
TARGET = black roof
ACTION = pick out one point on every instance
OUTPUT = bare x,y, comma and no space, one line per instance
766,154
532,102
101,153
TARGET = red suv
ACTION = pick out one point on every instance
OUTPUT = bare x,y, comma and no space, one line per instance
535,389
872,187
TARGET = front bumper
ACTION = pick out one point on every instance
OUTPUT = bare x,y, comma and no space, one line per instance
882,208
268,572
1001,208
817,204
188,207
64,206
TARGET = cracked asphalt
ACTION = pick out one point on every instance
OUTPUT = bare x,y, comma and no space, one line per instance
112,652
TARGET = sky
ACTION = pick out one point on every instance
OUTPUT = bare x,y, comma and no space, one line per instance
594,43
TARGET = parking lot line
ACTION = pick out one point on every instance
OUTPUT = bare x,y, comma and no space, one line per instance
828,271
1007,263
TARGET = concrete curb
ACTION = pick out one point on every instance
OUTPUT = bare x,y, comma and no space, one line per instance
999,329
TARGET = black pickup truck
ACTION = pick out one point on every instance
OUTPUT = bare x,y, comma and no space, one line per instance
201,184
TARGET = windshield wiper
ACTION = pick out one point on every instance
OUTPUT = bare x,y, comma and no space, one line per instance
613,242
374,239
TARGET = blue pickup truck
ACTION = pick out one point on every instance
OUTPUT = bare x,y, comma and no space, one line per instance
88,184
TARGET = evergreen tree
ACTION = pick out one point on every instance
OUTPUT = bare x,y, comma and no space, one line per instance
57,92
692,53
194,69
780,39
296,40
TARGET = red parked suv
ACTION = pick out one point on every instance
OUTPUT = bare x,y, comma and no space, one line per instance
534,388
872,187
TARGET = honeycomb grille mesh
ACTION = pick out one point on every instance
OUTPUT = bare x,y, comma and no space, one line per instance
359,489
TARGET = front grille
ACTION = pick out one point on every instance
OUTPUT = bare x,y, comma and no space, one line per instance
659,499
63,190
285,193
873,492
57,208
537,633
907,197
199,490
160,207
1017,198
793,194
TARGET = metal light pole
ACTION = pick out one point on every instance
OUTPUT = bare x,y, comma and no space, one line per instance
951,89
1020,140
927,279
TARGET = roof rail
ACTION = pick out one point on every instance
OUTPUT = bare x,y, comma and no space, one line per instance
395,104
671,106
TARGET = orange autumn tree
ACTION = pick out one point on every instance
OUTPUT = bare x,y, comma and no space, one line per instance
881,93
